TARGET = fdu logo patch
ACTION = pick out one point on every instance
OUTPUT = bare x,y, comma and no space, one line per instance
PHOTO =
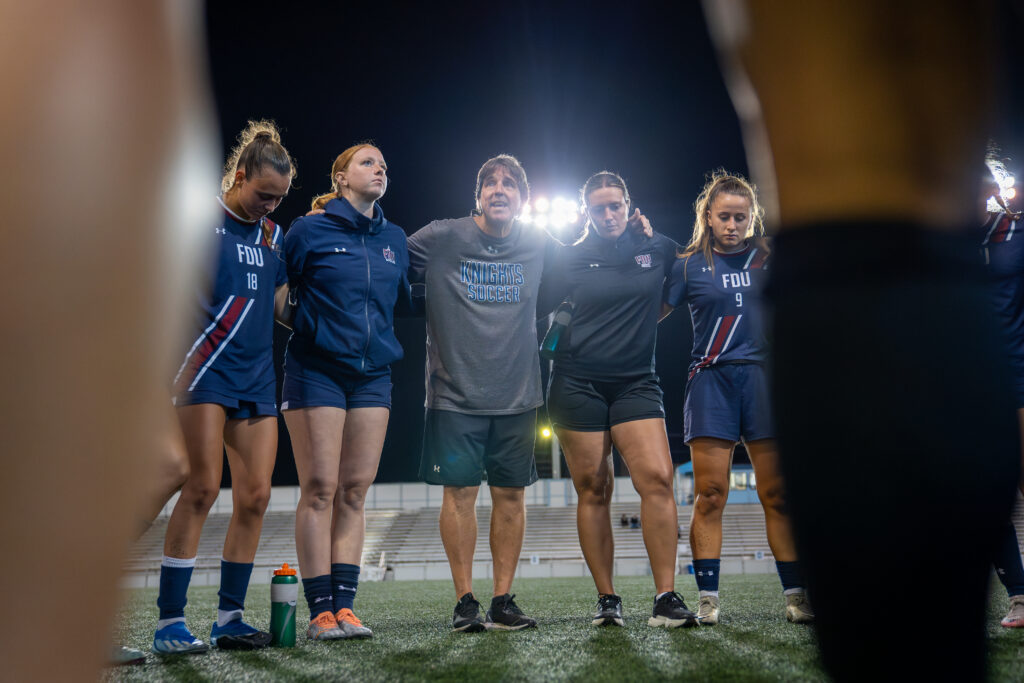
389,255
644,260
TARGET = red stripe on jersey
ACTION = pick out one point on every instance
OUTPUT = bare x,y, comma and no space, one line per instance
716,346
723,334
999,234
268,227
759,260
210,344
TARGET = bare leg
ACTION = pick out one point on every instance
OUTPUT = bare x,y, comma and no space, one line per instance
169,469
363,441
203,427
458,534
644,447
712,459
316,435
508,523
589,457
764,456
252,450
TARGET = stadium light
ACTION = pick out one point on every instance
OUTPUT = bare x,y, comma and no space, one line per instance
545,432
557,214
1007,191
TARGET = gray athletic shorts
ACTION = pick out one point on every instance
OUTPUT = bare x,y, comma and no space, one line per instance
458,449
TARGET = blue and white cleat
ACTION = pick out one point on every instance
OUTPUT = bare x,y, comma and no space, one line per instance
238,635
175,639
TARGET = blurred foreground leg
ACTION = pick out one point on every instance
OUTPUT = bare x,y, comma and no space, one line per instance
896,425
103,128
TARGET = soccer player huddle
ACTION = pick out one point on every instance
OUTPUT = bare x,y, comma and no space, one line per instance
338,277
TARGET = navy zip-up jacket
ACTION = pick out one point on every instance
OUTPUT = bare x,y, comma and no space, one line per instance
347,272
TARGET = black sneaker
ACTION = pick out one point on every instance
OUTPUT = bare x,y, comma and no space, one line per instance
238,635
467,615
670,611
505,615
609,611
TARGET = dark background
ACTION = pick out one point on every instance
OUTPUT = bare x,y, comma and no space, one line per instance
568,89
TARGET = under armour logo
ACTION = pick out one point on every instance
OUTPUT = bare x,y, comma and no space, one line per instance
595,265
222,231
492,249
339,251
437,468
704,269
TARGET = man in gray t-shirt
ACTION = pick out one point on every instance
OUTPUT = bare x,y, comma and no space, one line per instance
482,274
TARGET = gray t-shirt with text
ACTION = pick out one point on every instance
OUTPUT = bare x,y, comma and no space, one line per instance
481,305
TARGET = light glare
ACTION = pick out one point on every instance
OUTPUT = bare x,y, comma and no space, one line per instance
541,205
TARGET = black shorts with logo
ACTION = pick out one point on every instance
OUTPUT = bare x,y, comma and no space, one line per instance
584,405
458,449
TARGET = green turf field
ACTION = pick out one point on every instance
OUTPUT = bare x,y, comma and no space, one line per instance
413,642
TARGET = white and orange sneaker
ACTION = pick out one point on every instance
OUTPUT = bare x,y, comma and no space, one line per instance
1015,617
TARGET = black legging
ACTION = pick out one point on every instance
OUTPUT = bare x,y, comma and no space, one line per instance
899,443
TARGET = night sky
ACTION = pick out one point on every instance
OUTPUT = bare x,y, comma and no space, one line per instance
569,89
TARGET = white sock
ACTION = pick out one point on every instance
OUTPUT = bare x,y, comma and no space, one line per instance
224,616
178,562
167,622
658,596
705,594
792,591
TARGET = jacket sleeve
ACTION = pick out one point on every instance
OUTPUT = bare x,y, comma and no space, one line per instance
407,305
296,249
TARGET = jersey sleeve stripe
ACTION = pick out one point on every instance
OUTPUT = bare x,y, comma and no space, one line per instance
1001,229
206,349
720,340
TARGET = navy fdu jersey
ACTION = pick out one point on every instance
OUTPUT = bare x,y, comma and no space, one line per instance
348,272
231,354
616,288
1003,252
725,305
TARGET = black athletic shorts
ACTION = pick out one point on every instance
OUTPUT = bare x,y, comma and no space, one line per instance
584,405
458,449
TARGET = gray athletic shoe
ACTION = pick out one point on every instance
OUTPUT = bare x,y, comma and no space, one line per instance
1015,617
798,610
324,627
350,625
707,610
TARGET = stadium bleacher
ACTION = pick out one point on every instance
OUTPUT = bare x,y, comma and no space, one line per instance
410,544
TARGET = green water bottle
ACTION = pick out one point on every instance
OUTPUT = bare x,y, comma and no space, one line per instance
284,593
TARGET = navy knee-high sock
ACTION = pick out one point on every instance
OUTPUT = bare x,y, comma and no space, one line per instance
706,572
344,583
318,595
1009,567
175,574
